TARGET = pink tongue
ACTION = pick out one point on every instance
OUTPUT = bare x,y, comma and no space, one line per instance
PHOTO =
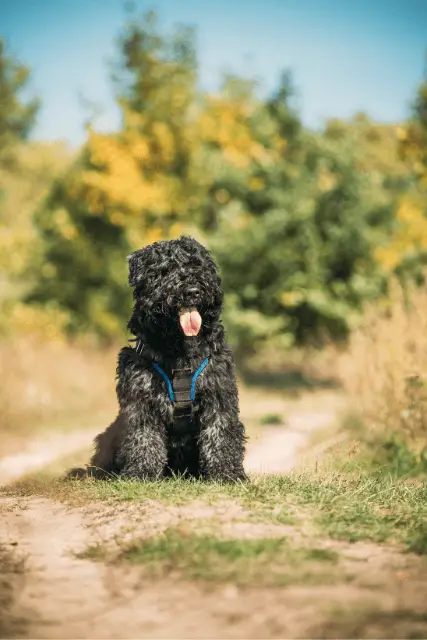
190,322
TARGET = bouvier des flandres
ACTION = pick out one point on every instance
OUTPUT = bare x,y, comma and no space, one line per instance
177,389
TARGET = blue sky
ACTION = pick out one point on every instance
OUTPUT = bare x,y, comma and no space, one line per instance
346,55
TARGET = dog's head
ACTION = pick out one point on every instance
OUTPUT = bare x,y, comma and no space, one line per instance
176,288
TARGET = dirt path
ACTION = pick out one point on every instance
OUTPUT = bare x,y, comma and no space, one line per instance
57,595
66,597
41,452
276,452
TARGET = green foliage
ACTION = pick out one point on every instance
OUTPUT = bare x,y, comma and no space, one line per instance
81,265
302,256
125,190
394,456
17,116
306,227
405,252
391,455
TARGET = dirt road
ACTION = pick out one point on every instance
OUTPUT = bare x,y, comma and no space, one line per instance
41,452
49,592
275,453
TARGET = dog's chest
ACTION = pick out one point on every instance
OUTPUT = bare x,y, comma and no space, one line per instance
185,386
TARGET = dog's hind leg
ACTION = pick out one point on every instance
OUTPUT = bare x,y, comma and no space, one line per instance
103,463
107,444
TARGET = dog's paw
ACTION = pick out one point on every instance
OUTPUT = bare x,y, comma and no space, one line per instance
227,477
77,473
139,475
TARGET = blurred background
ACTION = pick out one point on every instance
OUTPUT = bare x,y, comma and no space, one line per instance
289,137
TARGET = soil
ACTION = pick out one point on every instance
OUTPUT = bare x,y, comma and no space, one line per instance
46,591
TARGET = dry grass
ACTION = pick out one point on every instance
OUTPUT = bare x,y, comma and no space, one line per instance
385,368
52,384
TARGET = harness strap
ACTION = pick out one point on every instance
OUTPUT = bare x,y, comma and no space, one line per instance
182,393
166,379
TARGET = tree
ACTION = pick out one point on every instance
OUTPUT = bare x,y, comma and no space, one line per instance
414,136
297,235
405,251
127,189
17,116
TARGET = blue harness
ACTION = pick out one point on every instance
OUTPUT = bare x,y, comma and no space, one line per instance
182,393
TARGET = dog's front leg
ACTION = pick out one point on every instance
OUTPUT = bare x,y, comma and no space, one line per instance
143,453
222,435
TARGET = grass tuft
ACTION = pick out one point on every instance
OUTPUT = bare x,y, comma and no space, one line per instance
267,561
271,419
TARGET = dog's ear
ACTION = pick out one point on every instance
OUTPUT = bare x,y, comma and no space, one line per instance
136,267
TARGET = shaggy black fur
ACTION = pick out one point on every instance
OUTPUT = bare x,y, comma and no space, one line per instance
167,276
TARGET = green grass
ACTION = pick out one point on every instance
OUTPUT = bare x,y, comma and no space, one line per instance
363,507
416,538
347,507
263,562
393,455
93,552
375,453
271,419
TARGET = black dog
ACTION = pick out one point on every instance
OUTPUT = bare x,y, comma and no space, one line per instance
177,389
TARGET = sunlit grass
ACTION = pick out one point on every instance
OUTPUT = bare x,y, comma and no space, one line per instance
341,506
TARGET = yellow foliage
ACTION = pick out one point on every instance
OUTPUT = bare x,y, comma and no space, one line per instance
410,235
140,150
256,184
64,225
176,230
326,181
25,186
117,218
224,122
388,257
267,156
153,235
131,178
14,247
42,324
163,140
292,298
242,220
401,133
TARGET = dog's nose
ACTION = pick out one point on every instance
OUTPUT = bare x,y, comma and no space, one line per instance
192,295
